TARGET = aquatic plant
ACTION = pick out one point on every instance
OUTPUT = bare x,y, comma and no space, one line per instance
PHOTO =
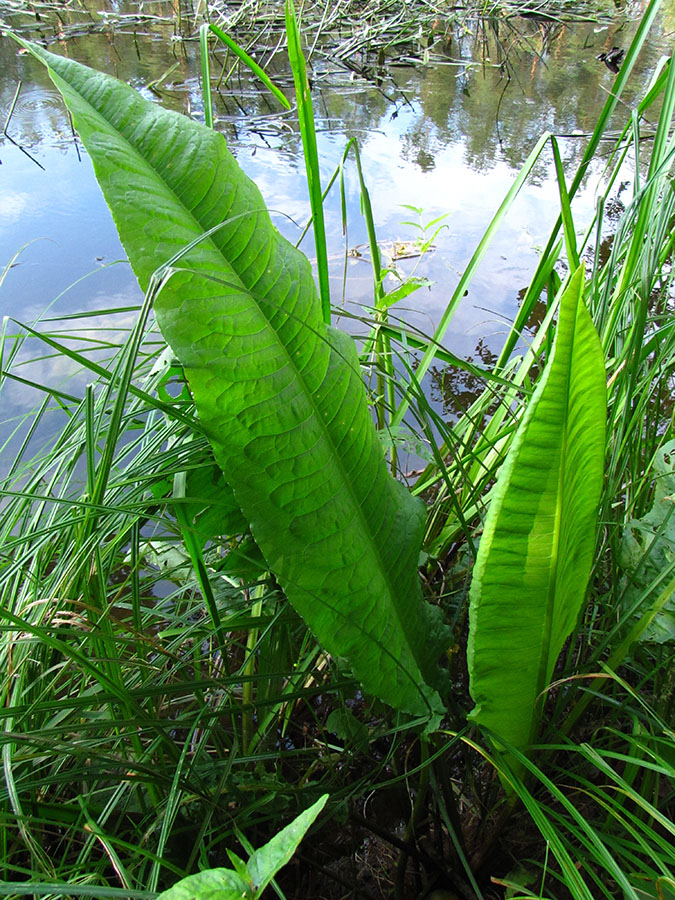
127,697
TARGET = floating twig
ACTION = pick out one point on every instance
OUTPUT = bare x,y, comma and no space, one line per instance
9,137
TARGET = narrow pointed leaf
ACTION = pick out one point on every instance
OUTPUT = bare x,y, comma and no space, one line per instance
248,61
279,393
536,552
266,862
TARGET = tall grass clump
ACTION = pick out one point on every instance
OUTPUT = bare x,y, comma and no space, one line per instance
212,606
134,654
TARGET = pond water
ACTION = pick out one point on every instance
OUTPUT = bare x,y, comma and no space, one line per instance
443,128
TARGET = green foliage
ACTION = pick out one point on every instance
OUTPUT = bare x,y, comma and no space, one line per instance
266,861
308,133
251,880
156,707
536,552
279,394
213,884
648,551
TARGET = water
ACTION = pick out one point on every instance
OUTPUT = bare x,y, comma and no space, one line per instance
447,137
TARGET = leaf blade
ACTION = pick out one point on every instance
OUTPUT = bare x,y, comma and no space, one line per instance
280,395
265,862
536,551
306,498
212,884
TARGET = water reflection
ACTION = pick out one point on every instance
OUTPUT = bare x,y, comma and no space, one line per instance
454,390
443,125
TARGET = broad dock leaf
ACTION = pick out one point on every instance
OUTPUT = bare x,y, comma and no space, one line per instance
537,547
280,394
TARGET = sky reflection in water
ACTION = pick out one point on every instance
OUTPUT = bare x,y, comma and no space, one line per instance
448,139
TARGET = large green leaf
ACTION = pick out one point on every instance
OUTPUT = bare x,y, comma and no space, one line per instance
537,547
280,394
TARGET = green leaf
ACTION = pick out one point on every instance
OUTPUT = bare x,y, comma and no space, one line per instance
348,728
648,550
405,289
266,862
248,61
209,504
239,866
213,884
280,394
302,454
250,879
536,552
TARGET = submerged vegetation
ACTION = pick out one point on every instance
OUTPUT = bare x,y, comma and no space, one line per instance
222,597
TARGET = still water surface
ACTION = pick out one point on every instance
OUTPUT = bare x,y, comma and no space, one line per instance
444,130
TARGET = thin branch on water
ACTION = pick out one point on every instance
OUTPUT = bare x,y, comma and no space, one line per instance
9,137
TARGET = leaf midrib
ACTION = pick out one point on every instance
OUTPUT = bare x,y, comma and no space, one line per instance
553,575
327,434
